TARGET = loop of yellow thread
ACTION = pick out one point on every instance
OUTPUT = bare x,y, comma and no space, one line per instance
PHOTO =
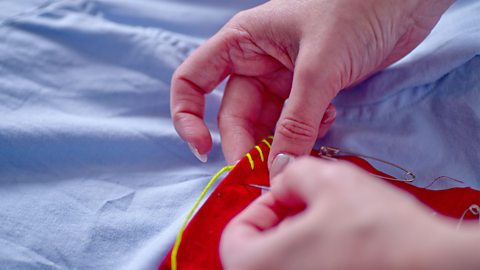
250,159
173,257
267,143
259,151
270,137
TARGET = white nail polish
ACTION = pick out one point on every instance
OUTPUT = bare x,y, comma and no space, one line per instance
202,157
279,163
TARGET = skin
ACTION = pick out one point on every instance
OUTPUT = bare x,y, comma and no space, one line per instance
307,51
338,217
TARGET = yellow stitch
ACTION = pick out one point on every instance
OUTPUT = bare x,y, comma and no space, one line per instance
270,137
267,143
252,165
260,152
178,241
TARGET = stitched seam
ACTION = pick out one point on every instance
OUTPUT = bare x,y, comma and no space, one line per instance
250,159
260,152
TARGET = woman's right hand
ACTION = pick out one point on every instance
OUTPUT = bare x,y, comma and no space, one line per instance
331,215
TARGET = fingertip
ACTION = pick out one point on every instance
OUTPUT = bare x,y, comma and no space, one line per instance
330,114
202,157
202,144
327,121
195,133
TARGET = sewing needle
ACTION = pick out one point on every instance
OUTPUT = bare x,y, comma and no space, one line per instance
264,188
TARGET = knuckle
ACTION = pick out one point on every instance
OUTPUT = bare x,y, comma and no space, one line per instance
177,74
241,17
224,119
241,25
297,130
178,117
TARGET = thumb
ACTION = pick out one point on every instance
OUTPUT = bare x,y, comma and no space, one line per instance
315,84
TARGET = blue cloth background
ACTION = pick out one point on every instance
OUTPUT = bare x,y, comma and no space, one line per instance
92,174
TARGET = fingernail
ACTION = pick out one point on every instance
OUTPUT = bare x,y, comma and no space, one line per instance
202,157
330,114
279,163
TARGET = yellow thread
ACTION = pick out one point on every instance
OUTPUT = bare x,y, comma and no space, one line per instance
173,257
267,143
252,165
270,137
260,152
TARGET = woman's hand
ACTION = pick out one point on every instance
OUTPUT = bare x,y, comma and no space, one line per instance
306,51
332,215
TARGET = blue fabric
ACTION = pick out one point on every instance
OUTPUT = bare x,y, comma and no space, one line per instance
423,112
92,173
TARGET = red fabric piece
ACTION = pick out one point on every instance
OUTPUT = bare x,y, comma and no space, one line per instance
199,248
201,238
450,202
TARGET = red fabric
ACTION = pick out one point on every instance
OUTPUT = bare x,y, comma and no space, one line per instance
450,202
199,248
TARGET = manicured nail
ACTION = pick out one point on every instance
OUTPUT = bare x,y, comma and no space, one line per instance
202,157
279,163
330,114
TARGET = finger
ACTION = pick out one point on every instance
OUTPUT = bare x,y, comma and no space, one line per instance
250,109
327,121
262,214
277,86
247,114
241,105
292,191
229,51
269,114
197,76
312,91
258,235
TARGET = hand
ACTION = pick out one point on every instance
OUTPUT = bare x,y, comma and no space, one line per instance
332,215
306,51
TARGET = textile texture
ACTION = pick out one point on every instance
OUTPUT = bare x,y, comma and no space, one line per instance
199,248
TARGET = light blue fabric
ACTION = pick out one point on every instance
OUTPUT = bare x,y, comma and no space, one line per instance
92,174
423,112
